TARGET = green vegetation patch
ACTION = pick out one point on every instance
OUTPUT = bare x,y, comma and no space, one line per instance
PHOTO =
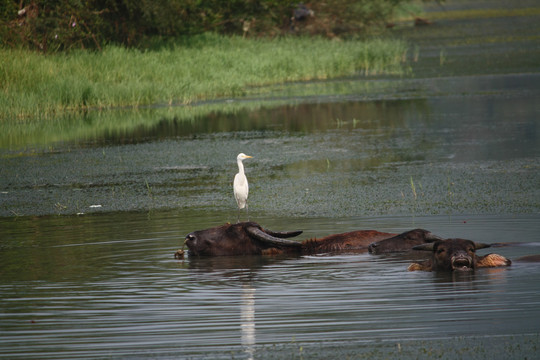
34,86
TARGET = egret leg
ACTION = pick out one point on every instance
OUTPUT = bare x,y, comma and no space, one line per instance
247,211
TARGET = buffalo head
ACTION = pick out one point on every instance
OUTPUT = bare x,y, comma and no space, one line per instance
246,238
402,242
451,254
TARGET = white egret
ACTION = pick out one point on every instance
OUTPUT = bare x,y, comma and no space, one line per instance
240,185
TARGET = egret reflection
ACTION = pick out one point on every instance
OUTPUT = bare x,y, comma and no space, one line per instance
247,320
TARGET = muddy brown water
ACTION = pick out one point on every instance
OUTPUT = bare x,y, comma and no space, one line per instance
88,227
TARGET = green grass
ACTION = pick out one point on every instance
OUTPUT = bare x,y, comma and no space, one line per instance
34,87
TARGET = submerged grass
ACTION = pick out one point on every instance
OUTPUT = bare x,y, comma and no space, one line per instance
35,87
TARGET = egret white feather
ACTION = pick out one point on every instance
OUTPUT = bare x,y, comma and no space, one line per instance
240,184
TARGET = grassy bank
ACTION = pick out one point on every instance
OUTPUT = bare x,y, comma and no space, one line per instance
34,87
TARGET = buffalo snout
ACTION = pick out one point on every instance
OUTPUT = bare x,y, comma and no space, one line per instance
462,261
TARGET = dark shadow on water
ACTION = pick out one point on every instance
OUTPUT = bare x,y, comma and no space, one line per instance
444,277
231,266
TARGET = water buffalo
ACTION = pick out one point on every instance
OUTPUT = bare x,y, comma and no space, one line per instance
354,240
249,238
456,254
244,238
402,242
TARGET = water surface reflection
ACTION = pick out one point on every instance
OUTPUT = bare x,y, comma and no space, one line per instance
247,320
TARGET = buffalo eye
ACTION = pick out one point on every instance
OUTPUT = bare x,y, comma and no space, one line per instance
440,251
190,237
471,249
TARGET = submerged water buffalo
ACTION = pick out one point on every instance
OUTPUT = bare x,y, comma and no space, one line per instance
245,238
400,243
249,238
456,254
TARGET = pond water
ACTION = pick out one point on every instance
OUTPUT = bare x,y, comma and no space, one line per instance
107,286
89,221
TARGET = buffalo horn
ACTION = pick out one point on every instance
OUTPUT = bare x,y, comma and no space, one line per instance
425,247
430,237
269,239
429,246
284,234
481,245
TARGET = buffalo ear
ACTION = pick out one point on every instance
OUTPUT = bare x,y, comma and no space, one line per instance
424,247
481,245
